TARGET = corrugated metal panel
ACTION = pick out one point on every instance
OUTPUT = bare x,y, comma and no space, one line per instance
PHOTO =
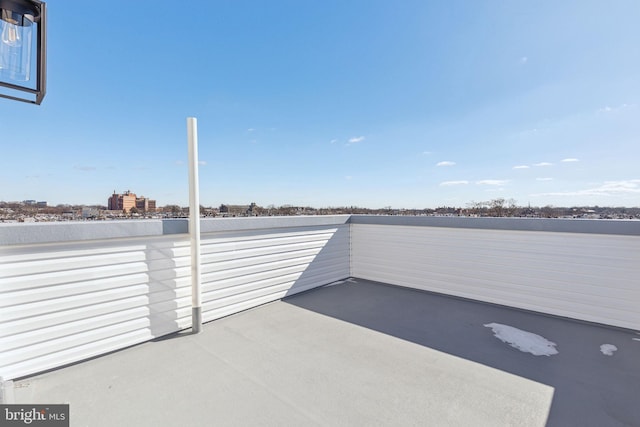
243,269
591,277
60,303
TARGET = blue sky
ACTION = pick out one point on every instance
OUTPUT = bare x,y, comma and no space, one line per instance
408,104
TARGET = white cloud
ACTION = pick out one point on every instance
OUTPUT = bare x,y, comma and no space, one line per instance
492,182
202,163
448,183
348,177
569,160
544,179
250,130
356,139
521,167
333,141
528,132
426,153
608,188
621,107
543,164
524,60
626,186
445,163
179,162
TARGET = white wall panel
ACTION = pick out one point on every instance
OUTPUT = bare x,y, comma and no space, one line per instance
243,269
593,277
60,303
68,301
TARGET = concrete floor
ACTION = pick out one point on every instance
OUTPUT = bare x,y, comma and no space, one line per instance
357,353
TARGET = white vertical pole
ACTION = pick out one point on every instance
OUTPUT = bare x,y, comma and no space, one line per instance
194,225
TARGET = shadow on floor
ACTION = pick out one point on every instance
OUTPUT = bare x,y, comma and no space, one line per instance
591,389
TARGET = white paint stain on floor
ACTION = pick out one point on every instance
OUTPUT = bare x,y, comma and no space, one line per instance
608,349
524,341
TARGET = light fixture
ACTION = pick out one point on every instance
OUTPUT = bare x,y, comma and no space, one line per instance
23,25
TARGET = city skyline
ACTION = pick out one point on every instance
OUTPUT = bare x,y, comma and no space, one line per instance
370,104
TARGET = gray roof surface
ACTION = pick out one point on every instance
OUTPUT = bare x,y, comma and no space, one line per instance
357,353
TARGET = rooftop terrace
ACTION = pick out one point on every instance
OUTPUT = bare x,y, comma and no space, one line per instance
325,321
357,353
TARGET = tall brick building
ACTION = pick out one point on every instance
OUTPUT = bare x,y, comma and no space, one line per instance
128,200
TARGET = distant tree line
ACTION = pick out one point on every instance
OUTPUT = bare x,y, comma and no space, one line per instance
499,207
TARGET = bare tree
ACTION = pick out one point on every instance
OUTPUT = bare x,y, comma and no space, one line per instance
549,212
497,207
475,208
512,207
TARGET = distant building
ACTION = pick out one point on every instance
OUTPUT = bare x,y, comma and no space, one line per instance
144,204
128,200
88,212
34,203
238,210
121,202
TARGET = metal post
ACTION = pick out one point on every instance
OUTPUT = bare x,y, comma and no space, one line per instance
194,225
